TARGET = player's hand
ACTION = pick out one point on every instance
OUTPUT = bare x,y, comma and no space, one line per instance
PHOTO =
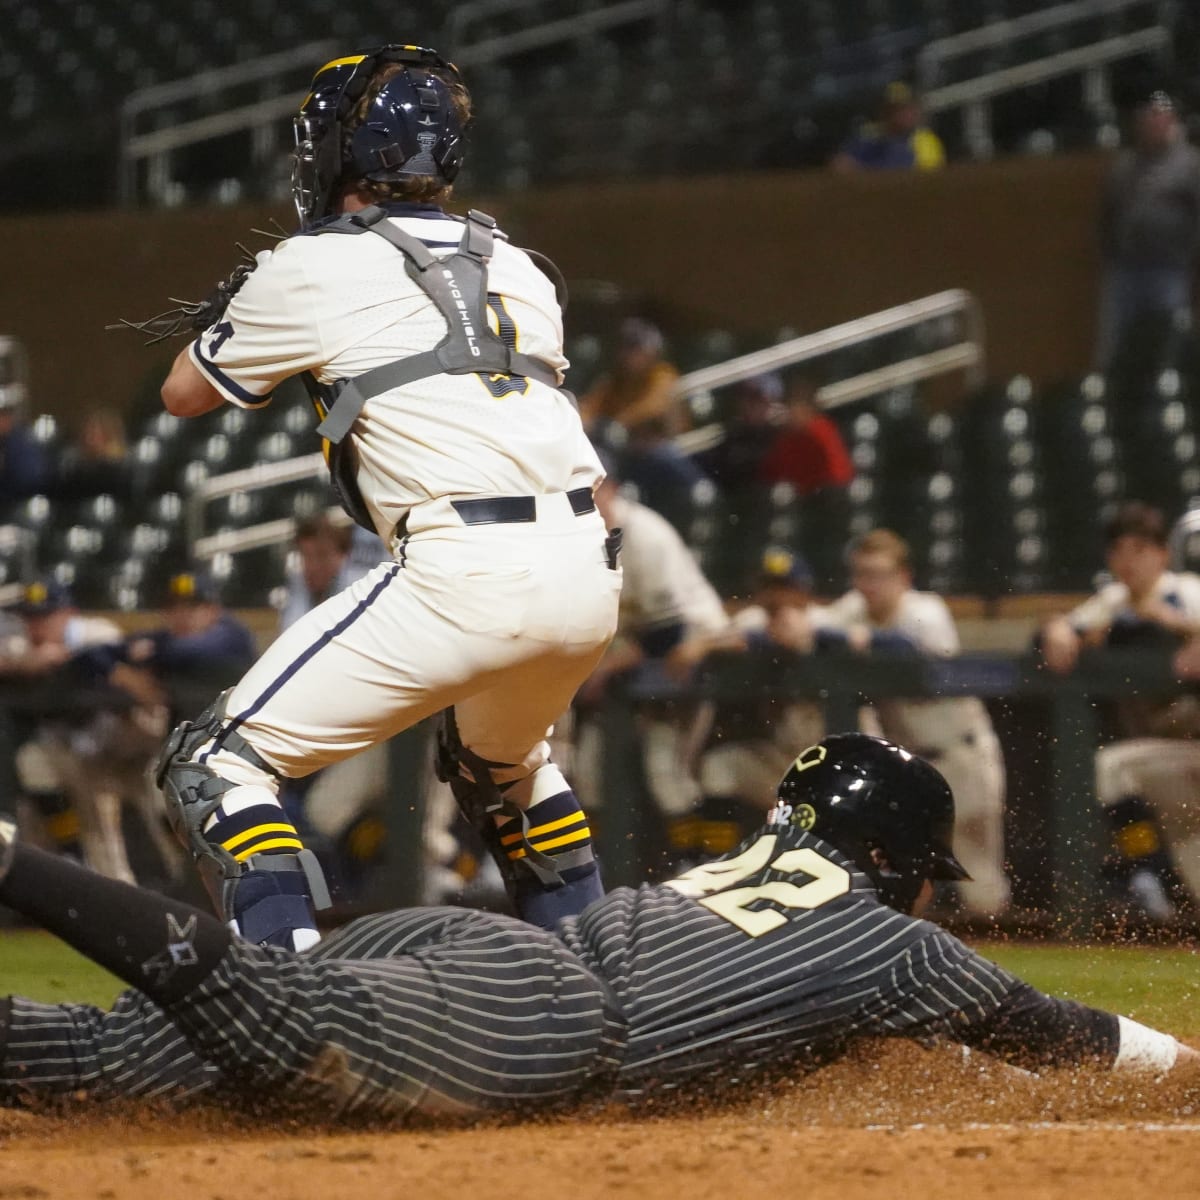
40,660
683,659
1060,646
1186,662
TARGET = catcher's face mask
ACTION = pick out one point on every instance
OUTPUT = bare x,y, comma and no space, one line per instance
411,127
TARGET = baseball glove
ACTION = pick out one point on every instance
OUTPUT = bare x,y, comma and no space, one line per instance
191,315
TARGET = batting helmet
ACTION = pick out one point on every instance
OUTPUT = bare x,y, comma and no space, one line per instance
863,794
411,126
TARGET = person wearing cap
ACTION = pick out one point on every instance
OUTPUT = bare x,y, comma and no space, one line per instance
60,656
884,614
734,464
25,469
897,141
1149,225
665,601
640,387
747,744
198,634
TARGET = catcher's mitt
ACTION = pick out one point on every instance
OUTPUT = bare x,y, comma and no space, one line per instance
190,315
194,315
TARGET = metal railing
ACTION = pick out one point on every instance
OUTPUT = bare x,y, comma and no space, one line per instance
545,33
250,479
932,58
273,76
974,96
967,355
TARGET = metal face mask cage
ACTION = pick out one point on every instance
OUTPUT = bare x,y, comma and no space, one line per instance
317,129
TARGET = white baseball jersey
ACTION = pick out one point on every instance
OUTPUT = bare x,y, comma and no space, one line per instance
1179,590
500,620
923,618
663,582
339,306
956,734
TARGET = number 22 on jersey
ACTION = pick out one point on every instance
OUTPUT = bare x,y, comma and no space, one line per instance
712,885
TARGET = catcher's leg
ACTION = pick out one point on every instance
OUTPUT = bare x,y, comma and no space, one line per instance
531,822
222,804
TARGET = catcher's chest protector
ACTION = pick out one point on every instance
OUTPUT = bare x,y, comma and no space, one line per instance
457,285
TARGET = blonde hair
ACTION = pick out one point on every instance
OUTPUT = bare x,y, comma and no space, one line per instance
883,541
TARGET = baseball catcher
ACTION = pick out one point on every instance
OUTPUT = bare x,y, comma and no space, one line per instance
432,350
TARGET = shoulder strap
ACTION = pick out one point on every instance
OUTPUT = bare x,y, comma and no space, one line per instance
457,284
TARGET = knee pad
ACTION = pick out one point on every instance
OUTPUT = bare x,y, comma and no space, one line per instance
481,800
193,792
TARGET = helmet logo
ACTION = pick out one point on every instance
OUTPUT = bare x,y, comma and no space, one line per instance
810,757
804,816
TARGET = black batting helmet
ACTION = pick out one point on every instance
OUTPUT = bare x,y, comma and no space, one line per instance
411,127
862,794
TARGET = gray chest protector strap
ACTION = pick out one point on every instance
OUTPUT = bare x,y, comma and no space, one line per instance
457,284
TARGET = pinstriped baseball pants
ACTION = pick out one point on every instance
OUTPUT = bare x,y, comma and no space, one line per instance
435,1012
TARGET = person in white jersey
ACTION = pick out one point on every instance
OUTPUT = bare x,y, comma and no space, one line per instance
433,352
883,612
1148,779
665,602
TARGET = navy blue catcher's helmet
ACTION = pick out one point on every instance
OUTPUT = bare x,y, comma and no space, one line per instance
862,794
411,126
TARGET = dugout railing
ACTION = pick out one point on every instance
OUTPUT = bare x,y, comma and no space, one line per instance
1071,837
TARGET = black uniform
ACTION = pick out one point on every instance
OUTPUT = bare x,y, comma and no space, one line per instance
779,953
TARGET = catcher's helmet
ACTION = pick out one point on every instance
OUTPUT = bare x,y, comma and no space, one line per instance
411,126
862,794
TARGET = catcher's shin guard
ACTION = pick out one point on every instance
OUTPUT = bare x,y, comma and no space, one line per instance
546,877
267,896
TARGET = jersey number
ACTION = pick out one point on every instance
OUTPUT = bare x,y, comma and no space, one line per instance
711,885
506,330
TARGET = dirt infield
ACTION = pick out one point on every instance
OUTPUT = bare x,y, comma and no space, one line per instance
899,1121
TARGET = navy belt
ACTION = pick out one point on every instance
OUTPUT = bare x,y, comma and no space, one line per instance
516,510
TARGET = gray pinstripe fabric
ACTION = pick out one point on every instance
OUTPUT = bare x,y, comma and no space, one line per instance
453,1012
703,999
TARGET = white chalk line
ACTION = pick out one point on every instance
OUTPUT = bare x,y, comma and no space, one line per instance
1041,1126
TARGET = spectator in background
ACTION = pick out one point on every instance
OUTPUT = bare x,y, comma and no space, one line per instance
749,744
325,566
61,657
1149,225
95,465
808,452
199,636
25,467
896,141
735,463
663,475
665,601
884,614
640,387
1146,780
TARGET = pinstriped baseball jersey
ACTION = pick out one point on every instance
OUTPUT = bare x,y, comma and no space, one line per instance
779,953
779,950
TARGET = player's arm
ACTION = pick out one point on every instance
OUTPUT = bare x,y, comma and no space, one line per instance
186,392
1033,1030
980,1005
1062,637
265,335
